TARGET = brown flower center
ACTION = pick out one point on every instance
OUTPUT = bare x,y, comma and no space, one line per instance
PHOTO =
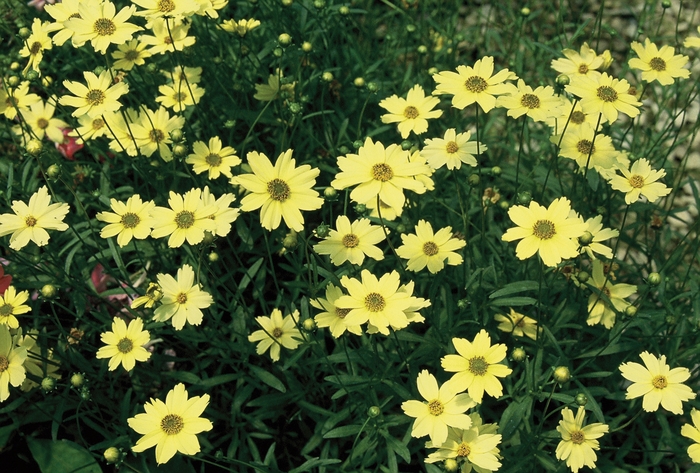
578,117
35,48
341,313
130,220
156,136
476,84
180,97
125,345
436,407
430,248
451,147
42,123
5,310
181,298
657,64
585,147
530,101
74,15
463,450
166,6
543,229
636,181
172,424
97,123
95,97
583,68
478,366
350,240
213,160
184,219
659,382
410,112
30,221
578,437
278,190
277,332
374,302
382,172
131,55
606,93
4,363
104,27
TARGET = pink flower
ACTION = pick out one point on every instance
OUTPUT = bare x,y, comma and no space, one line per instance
5,280
69,146
39,4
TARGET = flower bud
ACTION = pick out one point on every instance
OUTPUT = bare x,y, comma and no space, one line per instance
180,150
451,465
322,231
344,10
284,39
654,279
462,304
34,147
360,208
585,239
410,28
422,49
630,311
229,124
306,47
330,194
357,144
563,79
359,82
84,393
406,145
13,81
77,380
401,228
583,276
24,33
327,76
562,374
53,171
581,399
177,135
671,319
112,455
290,240
213,257
208,238
504,204
373,87
48,291
474,180
48,384
666,4
319,4
309,325
496,170
524,198
519,354
525,11
31,75
374,411
277,52
287,3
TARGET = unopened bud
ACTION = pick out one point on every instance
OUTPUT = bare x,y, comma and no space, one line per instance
359,82
330,194
525,11
112,455
34,147
327,76
583,276
309,325
31,75
306,47
344,10
177,135
496,170
77,380
323,230
213,257
519,354
654,279
13,81
630,311
562,374
284,39
581,399
373,87
290,240
24,33
180,150
451,465
53,171
563,79
585,239
48,291
48,383
524,198
374,411
474,180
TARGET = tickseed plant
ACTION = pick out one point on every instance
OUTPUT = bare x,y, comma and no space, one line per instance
335,236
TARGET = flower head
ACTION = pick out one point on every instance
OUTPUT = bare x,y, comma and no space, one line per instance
224,215
168,37
180,96
578,144
30,222
476,447
276,332
693,433
130,220
598,234
130,54
40,117
124,344
640,180
518,324
426,248
658,64
333,316
585,62
214,158
606,95
271,90
539,104
692,41
352,241
154,293
152,132
11,363
452,150
17,99
36,44
11,304
412,113
241,27
578,442
187,219
95,98
100,24
182,299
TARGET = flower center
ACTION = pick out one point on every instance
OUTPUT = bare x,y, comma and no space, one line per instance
42,123
585,147
184,219
476,84
410,112
341,313
606,93
578,437
578,117
436,407
382,172
130,220
543,229
657,64
451,147
35,48
180,97
277,332
583,68
350,240
4,363
181,298
374,302
168,40
131,55
156,136
463,450
172,424
97,123
104,27
95,97
278,190
430,248
659,382
5,310
213,159
636,181
74,15
125,345
530,101
30,221
166,6
478,366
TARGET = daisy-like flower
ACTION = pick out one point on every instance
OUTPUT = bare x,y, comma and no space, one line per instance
119,126
452,150
224,215
179,97
597,235
130,220
271,90
333,316
551,231
214,158
444,408
280,192
477,366
578,441
692,41
102,25
585,62
11,363
412,113
240,27
352,241
476,447
575,118
640,180
192,75
276,332
36,44
657,383
539,104
182,299
95,98
426,248
17,99
411,312
11,304
154,293
130,54
40,118
518,324
166,39
172,9
124,344
61,12
606,95
186,219
171,426
578,144
30,222
693,433
474,84
89,128
39,363
152,132
599,309
658,64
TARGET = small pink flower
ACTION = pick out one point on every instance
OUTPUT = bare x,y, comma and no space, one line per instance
39,4
69,146
5,280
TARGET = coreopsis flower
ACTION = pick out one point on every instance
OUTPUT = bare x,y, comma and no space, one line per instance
333,316
658,64
224,215
42,122
36,44
280,192
352,241
100,24
427,248
186,219
130,54
411,312
578,145
61,12
154,293
474,84
640,180
179,74
550,231
168,37
119,126
30,222
539,104
692,41
240,27
444,408
39,363
97,97
180,96
518,324
12,303
12,359
182,299
214,158
166,10
124,344
475,448
477,366
412,113
585,62
606,95
17,99
600,309
89,128
693,433
575,118
276,332
657,383
130,220
152,132
271,90
578,442
171,426
598,234
452,150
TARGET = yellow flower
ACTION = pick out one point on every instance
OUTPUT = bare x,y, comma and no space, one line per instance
98,97
578,442
168,39
519,324
411,312
213,158
692,41
276,332
192,75
102,25
582,63
39,363
42,122
30,222
154,293
152,132
271,90
549,231
89,128
604,95
452,150
658,64
171,426
182,299
578,143
241,27
693,433
540,104
124,345
224,215
599,309
186,219
430,249
352,241
657,383
61,12
473,84
444,408
640,180
130,220
17,99
130,54
476,447
575,119
334,316
281,191
411,113
179,98
598,234
160,9
11,304
477,366
11,363
36,44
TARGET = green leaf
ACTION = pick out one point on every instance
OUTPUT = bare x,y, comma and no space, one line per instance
268,378
344,431
514,288
217,380
62,456
512,416
308,465
514,301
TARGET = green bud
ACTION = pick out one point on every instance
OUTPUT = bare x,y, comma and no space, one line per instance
406,145
585,239
34,147
330,194
422,49
112,455
309,325
583,276
411,28
327,76
77,380
53,171
24,33
654,279
306,47
473,180
343,150
31,75
519,354
85,393
524,198
229,124
563,79
48,384
630,311
284,39
13,81
374,411
504,204
213,257
177,135
373,87
287,3
290,240
180,150
433,70
323,230
561,374
357,144
319,4
359,82
277,52
48,291
496,170
401,228
671,319
525,11
344,10
666,4
581,399
462,304
451,465
360,208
